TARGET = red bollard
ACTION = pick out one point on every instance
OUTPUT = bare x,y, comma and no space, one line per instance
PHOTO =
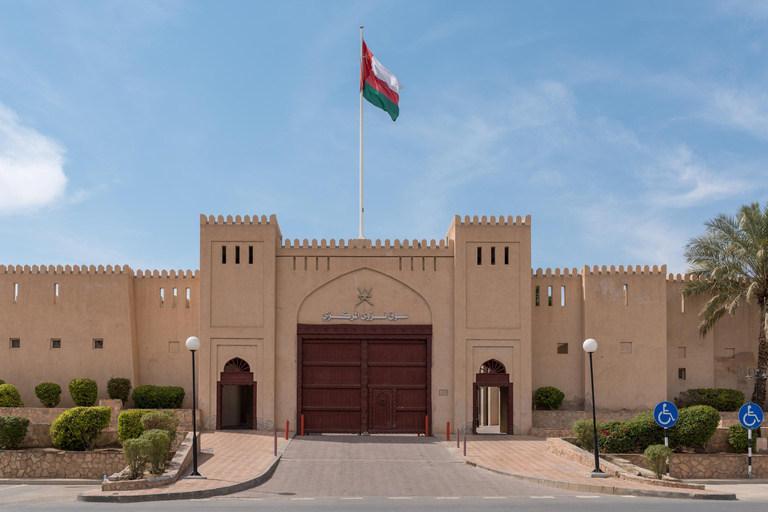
287,424
302,424
448,431
465,445
458,438
426,425
275,441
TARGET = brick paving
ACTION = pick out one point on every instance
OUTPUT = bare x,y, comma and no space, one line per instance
386,466
230,457
528,456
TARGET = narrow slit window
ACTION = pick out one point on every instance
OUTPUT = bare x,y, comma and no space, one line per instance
537,296
175,296
681,374
549,295
189,297
682,303
294,263
626,295
400,263
237,255
562,296
223,254
479,255
15,293
162,297
562,348
493,255
15,343
55,293
506,255
98,344
250,255
55,343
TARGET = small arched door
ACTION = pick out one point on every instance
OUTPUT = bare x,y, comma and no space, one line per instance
236,397
492,383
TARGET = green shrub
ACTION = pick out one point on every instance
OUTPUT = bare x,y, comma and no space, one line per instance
136,452
48,393
159,446
119,387
612,437
84,392
2,382
720,399
129,424
13,430
656,458
739,438
584,433
548,396
78,428
643,431
163,421
9,396
158,397
695,426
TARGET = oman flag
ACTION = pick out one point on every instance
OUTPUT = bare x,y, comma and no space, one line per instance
378,85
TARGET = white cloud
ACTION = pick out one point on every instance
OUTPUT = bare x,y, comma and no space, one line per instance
743,109
31,166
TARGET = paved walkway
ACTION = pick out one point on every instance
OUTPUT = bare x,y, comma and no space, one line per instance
229,457
527,456
349,466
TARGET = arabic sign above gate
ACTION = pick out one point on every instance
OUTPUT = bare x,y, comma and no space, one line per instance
366,317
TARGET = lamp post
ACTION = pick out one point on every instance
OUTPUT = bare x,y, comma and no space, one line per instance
193,344
755,373
590,346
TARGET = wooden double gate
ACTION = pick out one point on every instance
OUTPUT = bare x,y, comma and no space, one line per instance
355,379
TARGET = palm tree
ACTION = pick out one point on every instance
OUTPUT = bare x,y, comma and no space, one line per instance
731,262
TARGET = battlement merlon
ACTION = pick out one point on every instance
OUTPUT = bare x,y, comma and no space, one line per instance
500,221
628,270
67,269
210,220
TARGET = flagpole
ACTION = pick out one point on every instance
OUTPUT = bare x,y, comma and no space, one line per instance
362,209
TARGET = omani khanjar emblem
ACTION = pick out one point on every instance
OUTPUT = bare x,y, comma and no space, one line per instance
364,296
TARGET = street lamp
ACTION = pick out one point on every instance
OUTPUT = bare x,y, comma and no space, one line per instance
590,346
193,344
755,373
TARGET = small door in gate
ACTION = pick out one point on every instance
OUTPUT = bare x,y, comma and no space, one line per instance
382,408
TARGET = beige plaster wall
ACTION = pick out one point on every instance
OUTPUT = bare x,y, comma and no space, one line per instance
92,303
554,324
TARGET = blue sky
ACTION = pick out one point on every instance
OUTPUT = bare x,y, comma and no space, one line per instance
620,127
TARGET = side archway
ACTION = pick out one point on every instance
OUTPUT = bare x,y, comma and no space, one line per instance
236,396
492,399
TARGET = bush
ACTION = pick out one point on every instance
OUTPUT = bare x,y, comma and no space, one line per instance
136,452
9,396
548,397
84,392
129,424
163,421
119,387
48,393
2,382
13,430
739,439
720,399
695,426
78,428
158,397
643,431
613,437
584,433
656,458
159,446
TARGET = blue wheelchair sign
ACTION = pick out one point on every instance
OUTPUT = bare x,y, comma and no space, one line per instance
750,416
665,414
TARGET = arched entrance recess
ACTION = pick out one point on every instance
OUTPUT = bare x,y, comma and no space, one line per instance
492,375
236,396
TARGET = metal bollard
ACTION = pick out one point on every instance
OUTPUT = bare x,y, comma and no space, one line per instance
302,424
465,445
458,438
426,425
448,431
275,441
287,425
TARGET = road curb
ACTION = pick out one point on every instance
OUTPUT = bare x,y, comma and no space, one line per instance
48,481
607,489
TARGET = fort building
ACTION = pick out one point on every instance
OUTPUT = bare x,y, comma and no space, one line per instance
369,336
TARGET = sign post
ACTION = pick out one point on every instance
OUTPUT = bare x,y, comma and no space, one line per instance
665,413
750,417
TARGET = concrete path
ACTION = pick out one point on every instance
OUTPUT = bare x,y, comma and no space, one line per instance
349,466
231,460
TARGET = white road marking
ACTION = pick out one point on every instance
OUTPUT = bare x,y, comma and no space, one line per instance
355,498
4,488
586,497
446,497
628,496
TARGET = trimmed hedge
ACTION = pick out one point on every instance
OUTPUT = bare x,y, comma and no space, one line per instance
84,392
159,446
78,428
739,439
129,424
695,426
721,399
548,396
164,421
656,458
158,397
9,396
136,452
119,387
2,382
13,430
49,394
